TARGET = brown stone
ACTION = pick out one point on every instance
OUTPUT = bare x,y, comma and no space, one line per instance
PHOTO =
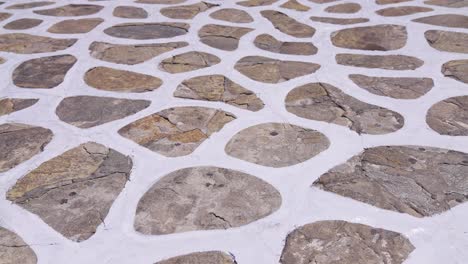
447,20
188,61
322,1
269,43
10,105
450,117
288,25
186,11
129,12
294,5
448,3
147,30
456,69
161,2
29,44
4,16
208,257
23,23
2,60
232,15
380,37
386,2
30,5
339,21
71,10
447,41
249,3
75,26
345,8
222,37
402,11
388,62
13,249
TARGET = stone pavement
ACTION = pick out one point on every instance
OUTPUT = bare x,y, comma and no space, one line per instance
248,131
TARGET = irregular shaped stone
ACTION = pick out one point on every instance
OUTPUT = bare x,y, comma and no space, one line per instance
131,54
394,87
109,79
30,5
288,25
222,37
218,88
4,16
71,10
75,26
294,5
456,69
161,2
269,70
232,15
20,142
339,21
147,30
14,250
386,2
448,3
380,37
324,102
388,62
269,43
416,180
322,1
447,41
91,111
176,131
45,72
345,8
446,20
29,44
23,23
10,105
129,12
204,198
402,11
208,257
186,11
330,242
250,3
188,61
450,117
74,191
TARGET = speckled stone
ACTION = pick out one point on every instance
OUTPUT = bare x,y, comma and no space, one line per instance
189,61
222,37
148,30
269,43
13,249
29,44
388,62
450,117
109,79
288,25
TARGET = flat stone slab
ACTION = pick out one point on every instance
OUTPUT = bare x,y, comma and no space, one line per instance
70,10
380,37
204,198
109,79
450,116
30,5
160,2
324,102
270,43
186,11
23,23
144,31
14,250
448,3
339,21
74,191
10,105
345,8
456,69
276,144
330,242
208,257
75,26
28,44
189,61
232,15
218,88
250,3
222,37
294,5
20,142
288,25
129,12
447,40
176,131
387,62
446,20
402,11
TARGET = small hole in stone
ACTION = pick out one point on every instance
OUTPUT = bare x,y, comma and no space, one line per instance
177,144
72,194
63,201
273,133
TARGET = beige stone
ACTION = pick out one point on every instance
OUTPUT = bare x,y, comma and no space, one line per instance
288,25
448,3
295,5
71,10
456,69
30,5
344,8
207,257
222,37
189,61
10,105
388,62
339,21
446,20
186,11
269,43
402,11
447,41
75,26
29,44
23,23
129,12
449,117
109,79
256,2
232,15
13,249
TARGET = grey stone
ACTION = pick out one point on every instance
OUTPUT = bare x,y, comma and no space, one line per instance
148,30
13,249
339,21
294,5
30,5
189,61
23,23
75,26
269,43
232,15
10,105
446,20
344,8
129,12
402,11
288,25
222,37
71,10
207,257
388,62
447,41
448,3
387,2
449,117
249,3
456,69
29,44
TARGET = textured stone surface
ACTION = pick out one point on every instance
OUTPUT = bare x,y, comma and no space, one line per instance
74,191
10,105
131,54
222,37
256,2
295,5
456,69
90,111
448,3
288,25
276,144
30,5
75,26
218,88
14,250
322,1
23,23
28,44
204,198
176,131
447,20
186,11
450,117
129,12
188,61
161,2
394,87
269,70
2,60
402,11
208,257
333,242
232,15
109,79
416,180
269,43
339,21
324,102
387,2
20,142
45,72
380,37
388,62
4,16
71,10
344,8
147,30
447,41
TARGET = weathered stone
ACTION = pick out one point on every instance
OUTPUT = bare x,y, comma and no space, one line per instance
386,2
30,5
269,43
447,20
276,144
45,72
10,105
218,88
324,102
222,37
188,61
333,242
14,250
147,30
74,191
129,12
4,16
380,37
28,44
75,26
448,3
131,54
339,21
208,257
232,15
204,198
186,11
394,87
456,69
402,11
161,2
20,142
269,70
450,117
90,111
288,25
322,1
23,23
176,131
447,41
71,10
294,5
345,8
256,2
388,62
109,79
416,180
